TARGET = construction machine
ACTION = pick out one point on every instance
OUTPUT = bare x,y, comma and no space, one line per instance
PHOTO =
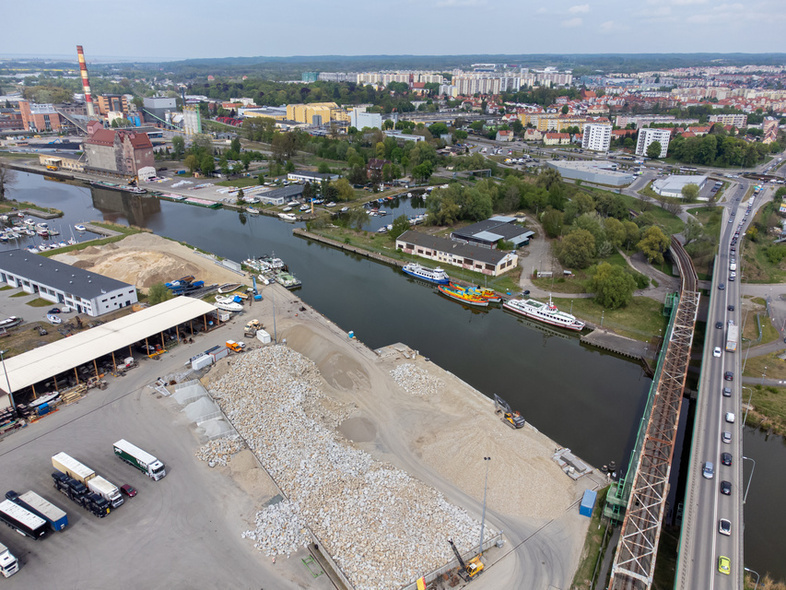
511,418
251,328
471,568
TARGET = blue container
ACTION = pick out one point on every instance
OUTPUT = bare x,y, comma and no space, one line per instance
44,409
588,503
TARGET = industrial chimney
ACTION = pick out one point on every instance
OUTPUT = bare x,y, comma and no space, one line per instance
85,82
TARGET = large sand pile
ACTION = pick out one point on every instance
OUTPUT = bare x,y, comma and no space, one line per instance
146,259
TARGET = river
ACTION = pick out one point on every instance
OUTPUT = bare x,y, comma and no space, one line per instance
586,400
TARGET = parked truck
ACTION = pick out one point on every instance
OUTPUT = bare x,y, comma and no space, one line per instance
31,501
236,346
23,521
732,337
72,468
78,492
136,457
106,489
9,564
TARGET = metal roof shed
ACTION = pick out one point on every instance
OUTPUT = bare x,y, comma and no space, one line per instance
53,359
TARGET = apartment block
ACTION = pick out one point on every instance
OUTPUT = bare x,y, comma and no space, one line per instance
597,137
648,135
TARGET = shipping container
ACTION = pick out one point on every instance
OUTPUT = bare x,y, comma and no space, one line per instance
263,336
72,468
201,362
588,503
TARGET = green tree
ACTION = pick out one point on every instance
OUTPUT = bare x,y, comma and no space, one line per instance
422,172
653,244
577,249
345,190
632,233
693,231
552,222
615,231
158,293
245,157
178,147
191,163
565,110
400,225
223,165
613,286
653,150
323,168
206,164
234,146
690,192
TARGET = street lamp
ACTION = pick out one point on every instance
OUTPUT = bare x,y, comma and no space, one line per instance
750,571
486,460
750,477
8,382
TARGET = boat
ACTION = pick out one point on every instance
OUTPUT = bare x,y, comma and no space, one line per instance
252,210
287,209
225,299
228,288
344,209
488,294
287,280
239,294
43,233
42,225
44,399
118,187
29,221
291,217
544,312
433,275
228,306
462,296
10,322
53,232
53,319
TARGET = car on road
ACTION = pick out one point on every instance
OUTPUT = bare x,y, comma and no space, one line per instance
719,325
728,376
54,310
730,417
725,488
727,392
708,470
724,565
128,490
726,436
716,352
724,527
721,287
726,459
730,308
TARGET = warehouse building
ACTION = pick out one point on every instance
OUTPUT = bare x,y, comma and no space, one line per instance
487,261
488,233
86,292
672,186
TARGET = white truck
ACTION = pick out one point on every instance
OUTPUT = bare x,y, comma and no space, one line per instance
142,460
732,337
106,490
9,564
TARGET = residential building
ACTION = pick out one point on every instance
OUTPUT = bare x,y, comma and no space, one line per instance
113,103
505,135
444,251
86,292
375,166
597,137
552,138
532,135
39,117
360,119
769,129
648,135
488,233
737,120
118,152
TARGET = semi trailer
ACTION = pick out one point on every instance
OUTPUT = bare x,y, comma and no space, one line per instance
72,468
142,460
106,490
57,518
23,521
78,492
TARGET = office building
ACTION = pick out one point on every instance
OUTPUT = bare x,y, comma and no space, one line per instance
359,119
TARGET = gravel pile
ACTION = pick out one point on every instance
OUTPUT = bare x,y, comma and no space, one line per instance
219,451
416,381
382,527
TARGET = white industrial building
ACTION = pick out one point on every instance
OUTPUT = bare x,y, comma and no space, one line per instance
359,119
648,135
672,186
597,137
86,292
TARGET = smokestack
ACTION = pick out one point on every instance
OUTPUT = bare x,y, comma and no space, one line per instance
85,82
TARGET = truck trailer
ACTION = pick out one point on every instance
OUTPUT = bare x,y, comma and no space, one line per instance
136,457
31,501
78,492
732,337
72,468
106,490
25,522
9,564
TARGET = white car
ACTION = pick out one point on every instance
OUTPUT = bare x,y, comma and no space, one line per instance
716,352
730,417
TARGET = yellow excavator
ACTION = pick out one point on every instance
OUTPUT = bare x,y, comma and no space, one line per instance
511,418
471,568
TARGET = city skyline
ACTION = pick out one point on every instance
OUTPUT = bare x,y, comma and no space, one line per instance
179,30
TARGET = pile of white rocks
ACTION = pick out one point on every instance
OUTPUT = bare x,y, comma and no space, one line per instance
382,527
416,381
220,450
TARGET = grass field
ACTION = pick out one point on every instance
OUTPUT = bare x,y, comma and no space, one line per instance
769,407
769,365
240,182
641,319
39,303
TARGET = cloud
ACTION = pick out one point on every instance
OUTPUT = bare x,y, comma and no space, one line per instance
460,3
572,23
579,9
610,26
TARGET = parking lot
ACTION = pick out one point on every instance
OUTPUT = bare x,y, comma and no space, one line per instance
183,531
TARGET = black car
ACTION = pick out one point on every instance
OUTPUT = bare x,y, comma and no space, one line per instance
721,287
725,488
719,325
730,308
728,376
726,458
54,310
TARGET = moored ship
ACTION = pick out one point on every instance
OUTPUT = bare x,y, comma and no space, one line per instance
433,275
544,312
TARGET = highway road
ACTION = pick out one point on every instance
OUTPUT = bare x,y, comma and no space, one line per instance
705,504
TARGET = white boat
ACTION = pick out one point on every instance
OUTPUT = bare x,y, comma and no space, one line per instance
288,217
53,232
42,225
228,306
227,299
330,204
80,227
433,275
287,209
344,209
29,221
53,319
252,210
228,288
544,312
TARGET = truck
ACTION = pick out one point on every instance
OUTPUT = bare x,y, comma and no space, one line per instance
732,337
78,492
236,346
106,489
9,564
57,518
23,521
136,457
72,468
733,266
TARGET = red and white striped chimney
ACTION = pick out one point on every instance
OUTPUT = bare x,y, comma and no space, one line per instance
85,82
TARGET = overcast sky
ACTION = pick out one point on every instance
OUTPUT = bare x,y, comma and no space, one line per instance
200,28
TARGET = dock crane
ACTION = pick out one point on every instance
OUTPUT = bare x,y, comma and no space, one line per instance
470,569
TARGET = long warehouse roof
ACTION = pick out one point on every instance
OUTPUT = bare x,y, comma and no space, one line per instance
47,361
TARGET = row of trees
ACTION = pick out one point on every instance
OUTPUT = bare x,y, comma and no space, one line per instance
720,149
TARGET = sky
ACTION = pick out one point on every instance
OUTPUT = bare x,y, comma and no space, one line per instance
176,29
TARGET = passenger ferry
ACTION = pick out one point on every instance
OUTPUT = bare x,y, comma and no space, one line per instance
432,275
544,312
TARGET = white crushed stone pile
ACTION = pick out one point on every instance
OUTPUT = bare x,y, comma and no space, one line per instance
416,381
381,526
219,451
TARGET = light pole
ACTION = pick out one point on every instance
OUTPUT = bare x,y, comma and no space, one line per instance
7,381
748,405
750,477
486,460
750,571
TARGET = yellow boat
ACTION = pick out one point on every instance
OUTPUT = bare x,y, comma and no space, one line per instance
462,295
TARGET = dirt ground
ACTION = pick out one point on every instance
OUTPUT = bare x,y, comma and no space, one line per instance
145,259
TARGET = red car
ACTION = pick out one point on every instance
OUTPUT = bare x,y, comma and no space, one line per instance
128,490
